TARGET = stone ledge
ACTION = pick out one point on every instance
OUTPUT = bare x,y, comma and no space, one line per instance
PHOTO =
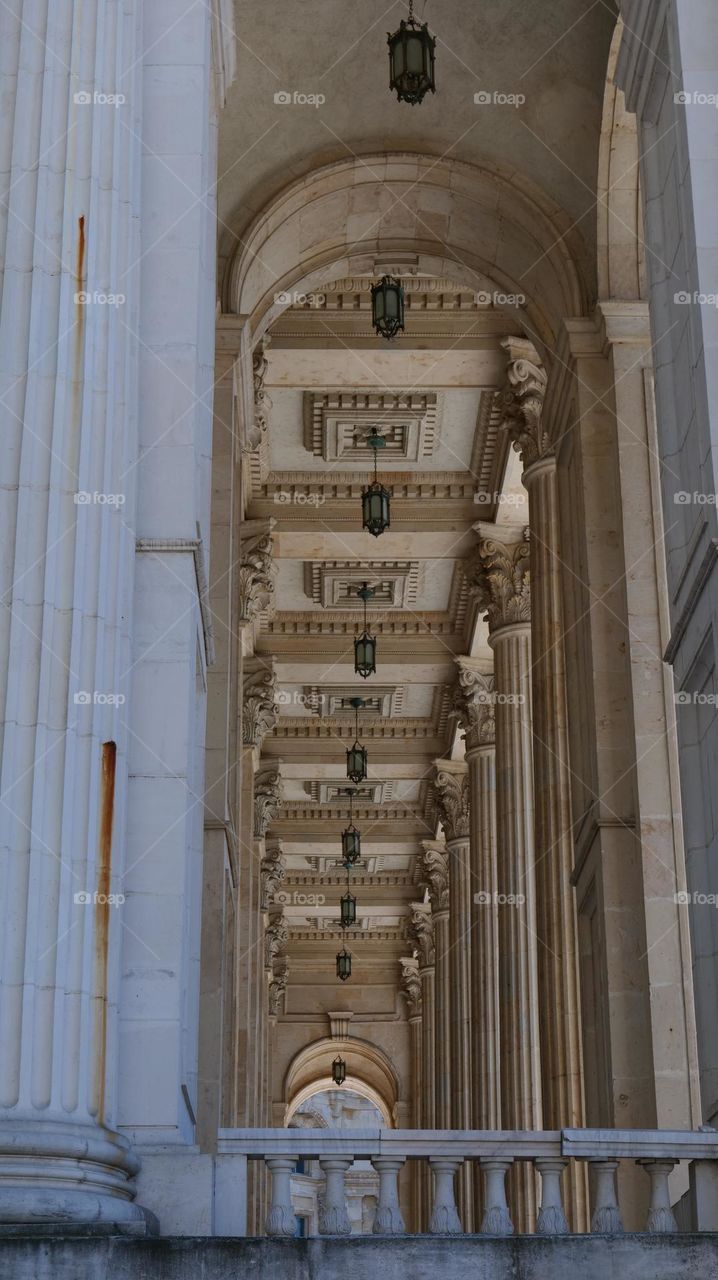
34,1256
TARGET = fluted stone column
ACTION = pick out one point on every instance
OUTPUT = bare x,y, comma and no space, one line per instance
410,987
435,872
502,581
69,433
558,969
421,934
474,706
452,790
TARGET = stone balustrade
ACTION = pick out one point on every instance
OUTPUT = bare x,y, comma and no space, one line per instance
550,1153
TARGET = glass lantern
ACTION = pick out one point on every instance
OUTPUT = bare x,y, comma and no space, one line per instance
344,965
339,1071
387,307
411,60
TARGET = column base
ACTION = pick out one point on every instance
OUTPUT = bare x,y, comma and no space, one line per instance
51,1172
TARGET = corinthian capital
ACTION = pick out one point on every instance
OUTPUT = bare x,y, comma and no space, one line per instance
278,985
452,792
257,570
259,710
434,865
421,933
267,799
473,703
521,401
499,575
262,399
272,870
276,935
410,985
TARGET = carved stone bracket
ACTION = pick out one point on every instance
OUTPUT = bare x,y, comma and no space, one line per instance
259,709
434,865
410,985
500,577
262,399
267,799
273,869
452,792
473,703
257,570
521,402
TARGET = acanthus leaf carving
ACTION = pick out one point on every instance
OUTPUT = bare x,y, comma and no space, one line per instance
434,865
500,576
272,870
278,985
257,570
521,403
267,799
410,985
452,793
259,708
421,933
276,936
473,703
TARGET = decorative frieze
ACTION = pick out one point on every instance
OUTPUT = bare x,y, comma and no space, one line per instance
267,799
257,570
452,794
500,576
259,707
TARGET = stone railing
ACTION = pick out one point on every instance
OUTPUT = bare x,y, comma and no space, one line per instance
494,1152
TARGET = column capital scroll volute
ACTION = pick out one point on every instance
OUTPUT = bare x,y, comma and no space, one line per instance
499,575
520,402
451,785
473,703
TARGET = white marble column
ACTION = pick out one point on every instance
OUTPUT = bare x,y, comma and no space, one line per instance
474,706
556,917
501,579
410,986
68,364
452,791
421,934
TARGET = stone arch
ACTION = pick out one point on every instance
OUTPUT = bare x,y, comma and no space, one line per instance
619,240
370,1073
480,227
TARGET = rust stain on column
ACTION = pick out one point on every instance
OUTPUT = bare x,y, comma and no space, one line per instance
102,920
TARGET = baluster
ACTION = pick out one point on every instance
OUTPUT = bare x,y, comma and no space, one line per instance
333,1216
606,1214
497,1219
388,1220
551,1220
660,1215
445,1219
280,1218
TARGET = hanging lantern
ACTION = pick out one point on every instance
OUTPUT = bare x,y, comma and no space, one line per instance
411,60
351,838
349,911
375,498
357,760
344,965
365,644
339,1071
387,307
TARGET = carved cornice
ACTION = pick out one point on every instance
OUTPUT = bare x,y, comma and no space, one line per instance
434,869
520,404
452,794
276,936
473,703
499,575
267,799
421,933
257,570
410,985
273,871
259,708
